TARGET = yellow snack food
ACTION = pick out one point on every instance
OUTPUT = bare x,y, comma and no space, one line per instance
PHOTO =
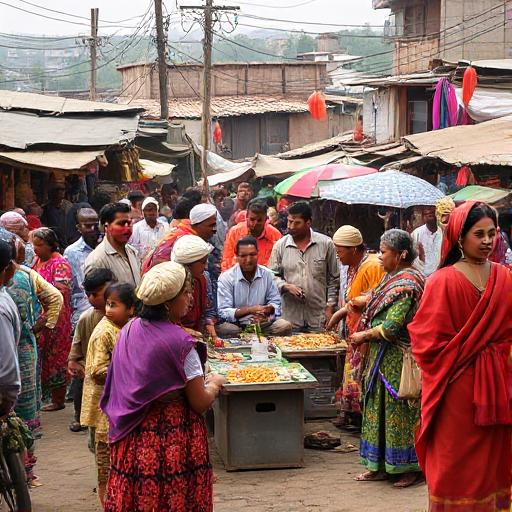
309,341
251,375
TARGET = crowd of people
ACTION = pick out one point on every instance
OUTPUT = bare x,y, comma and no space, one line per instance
114,314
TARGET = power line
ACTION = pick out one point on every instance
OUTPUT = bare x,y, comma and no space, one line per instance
60,19
76,15
306,2
445,47
298,22
120,54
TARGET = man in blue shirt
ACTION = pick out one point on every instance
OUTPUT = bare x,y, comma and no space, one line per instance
76,254
247,294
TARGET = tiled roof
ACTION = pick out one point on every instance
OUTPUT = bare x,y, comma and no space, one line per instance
223,106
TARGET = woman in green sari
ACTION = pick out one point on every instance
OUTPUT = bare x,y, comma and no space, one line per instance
387,438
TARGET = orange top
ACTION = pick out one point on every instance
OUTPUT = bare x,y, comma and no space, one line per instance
266,242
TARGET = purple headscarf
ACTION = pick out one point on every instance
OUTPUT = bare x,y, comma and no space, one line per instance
148,362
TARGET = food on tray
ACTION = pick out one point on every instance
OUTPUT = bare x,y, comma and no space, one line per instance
309,341
251,374
229,357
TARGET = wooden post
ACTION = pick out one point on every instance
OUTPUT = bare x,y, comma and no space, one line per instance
206,118
92,47
162,61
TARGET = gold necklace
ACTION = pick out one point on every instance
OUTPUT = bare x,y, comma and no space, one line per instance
475,274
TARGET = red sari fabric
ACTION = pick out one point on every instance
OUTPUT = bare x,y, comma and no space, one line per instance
461,340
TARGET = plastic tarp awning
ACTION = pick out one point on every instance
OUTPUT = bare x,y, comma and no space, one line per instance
479,193
50,160
20,130
487,103
268,166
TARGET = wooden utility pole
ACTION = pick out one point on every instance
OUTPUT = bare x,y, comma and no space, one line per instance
162,60
208,14
93,45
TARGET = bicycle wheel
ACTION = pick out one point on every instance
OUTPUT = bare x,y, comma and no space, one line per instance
13,483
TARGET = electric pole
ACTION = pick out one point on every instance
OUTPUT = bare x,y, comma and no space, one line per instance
93,46
209,10
161,43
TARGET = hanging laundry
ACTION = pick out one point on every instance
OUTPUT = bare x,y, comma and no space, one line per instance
445,109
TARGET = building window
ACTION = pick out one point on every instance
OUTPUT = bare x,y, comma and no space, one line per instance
414,22
418,116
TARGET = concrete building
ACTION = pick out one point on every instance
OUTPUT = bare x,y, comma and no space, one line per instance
449,30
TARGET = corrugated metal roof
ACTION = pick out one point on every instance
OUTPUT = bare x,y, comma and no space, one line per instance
340,100
399,80
489,64
49,160
316,147
224,64
224,106
488,143
20,130
25,101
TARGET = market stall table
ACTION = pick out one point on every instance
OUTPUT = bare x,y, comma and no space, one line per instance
326,364
261,425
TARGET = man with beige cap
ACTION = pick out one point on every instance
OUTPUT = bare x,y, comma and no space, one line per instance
364,272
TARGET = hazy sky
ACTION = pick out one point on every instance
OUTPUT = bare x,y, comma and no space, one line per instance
347,12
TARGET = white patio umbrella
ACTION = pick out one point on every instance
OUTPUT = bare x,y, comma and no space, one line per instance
394,189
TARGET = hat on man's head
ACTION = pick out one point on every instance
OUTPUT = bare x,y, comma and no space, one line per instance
201,212
348,236
150,200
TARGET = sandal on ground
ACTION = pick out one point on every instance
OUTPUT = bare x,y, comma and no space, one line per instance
53,407
407,480
75,426
371,476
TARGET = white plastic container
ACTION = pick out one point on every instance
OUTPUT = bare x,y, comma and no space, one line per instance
259,349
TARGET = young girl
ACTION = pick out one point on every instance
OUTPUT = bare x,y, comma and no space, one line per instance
119,308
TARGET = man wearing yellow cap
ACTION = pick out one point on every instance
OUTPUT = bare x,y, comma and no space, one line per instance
364,272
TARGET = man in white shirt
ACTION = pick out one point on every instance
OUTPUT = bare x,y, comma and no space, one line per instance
428,239
148,232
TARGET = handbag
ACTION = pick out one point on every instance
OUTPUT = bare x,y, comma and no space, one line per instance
410,380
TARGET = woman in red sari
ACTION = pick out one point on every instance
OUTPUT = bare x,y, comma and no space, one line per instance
461,338
54,344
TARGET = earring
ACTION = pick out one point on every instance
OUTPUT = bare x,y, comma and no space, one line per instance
461,248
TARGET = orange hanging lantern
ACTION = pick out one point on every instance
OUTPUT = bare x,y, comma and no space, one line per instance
465,177
316,106
469,82
217,133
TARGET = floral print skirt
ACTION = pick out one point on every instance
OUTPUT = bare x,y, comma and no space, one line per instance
163,465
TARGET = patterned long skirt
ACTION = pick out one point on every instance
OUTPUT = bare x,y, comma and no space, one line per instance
163,465
387,435
28,404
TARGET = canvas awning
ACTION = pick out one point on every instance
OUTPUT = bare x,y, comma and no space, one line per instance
266,166
20,130
50,160
488,143
58,105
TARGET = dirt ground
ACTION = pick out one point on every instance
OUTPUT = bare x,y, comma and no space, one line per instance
325,484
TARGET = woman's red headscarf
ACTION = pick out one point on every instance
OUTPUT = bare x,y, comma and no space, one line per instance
454,228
